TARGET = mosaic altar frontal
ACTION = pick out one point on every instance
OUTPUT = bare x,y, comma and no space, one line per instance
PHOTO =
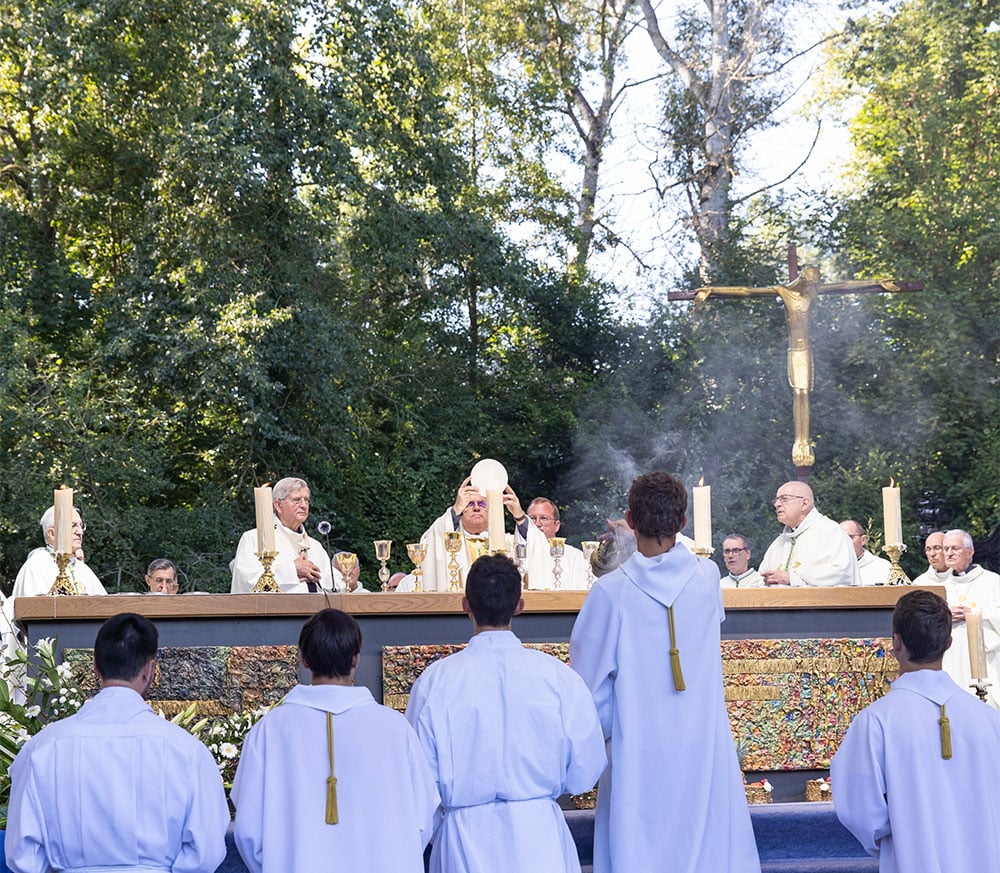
790,701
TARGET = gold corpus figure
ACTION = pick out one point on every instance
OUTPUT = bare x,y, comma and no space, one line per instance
798,296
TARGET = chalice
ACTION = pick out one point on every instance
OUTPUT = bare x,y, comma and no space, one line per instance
557,548
453,545
520,556
382,550
589,547
416,553
346,562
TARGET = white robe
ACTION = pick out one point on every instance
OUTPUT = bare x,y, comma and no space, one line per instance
672,800
39,571
978,589
386,797
873,569
435,565
908,806
816,553
750,579
247,568
116,786
507,731
930,576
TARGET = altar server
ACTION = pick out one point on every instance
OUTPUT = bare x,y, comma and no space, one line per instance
116,786
469,515
330,779
917,776
647,643
507,731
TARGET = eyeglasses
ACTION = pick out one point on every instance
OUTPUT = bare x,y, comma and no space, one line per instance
80,526
541,519
476,504
929,549
734,551
956,549
296,501
784,498
855,536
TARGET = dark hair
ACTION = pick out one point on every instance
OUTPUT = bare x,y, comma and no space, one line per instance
923,622
657,502
329,641
493,588
124,645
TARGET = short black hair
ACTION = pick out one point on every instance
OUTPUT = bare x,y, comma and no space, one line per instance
329,641
657,502
493,589
124,645
923,622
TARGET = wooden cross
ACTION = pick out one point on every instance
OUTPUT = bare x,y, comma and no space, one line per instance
797,297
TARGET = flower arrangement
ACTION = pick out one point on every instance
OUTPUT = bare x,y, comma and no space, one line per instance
223,735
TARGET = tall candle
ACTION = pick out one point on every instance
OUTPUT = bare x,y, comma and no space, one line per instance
263,504
892,517
703,516
977,644
63,500
494,510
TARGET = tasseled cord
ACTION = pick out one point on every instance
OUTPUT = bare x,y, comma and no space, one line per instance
945,734
675,655
332,817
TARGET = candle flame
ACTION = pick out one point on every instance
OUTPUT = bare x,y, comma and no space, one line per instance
892,482
701,481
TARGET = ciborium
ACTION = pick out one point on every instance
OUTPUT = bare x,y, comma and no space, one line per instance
589,547
266,584
557,548
63,584
346,562
416,552
453,545
383,549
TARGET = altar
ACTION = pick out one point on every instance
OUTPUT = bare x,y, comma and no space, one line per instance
797,663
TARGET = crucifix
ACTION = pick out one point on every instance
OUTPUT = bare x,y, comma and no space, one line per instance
797,296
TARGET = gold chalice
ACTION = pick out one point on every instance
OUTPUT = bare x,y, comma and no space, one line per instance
557,548
453,545
416,553
382,551
346,562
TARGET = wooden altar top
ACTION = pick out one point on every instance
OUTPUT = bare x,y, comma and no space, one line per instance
222,606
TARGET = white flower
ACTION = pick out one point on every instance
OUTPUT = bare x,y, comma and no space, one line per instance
767,786
33,711
64,671
45,645
22,736
228,751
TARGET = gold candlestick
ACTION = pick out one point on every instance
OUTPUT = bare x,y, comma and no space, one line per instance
416,553
557,548
63,584
589,547
383,549
896,574
981,685
266,584
453,545
346,562
702,552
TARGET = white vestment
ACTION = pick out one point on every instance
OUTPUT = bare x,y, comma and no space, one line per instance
116,787
386,797
930,576
907,805
873,569
288,544
816,553
978,589
507,731
435,566
39,571
672,799
750,579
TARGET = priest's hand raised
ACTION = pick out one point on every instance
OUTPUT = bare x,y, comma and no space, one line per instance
466,493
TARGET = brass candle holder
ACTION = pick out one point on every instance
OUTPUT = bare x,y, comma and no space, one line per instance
896,574
702,552
63,584
589,547
980,685
383,549
266,584
453,545
416,552
557,548
346,562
